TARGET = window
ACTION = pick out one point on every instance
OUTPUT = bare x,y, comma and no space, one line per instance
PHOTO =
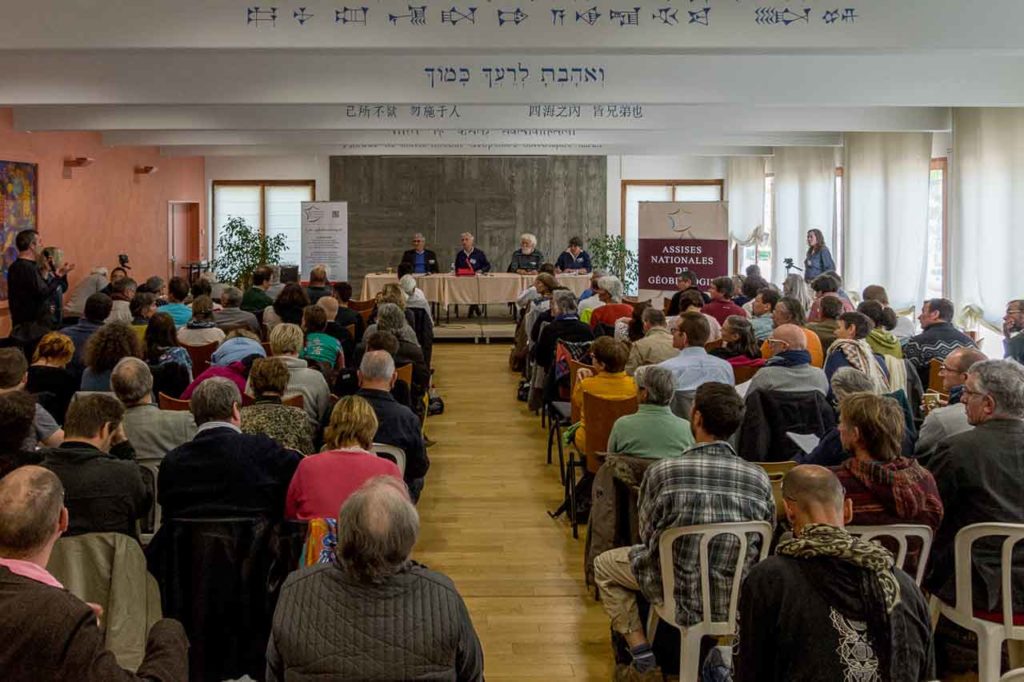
838,245
635,191
271,206
935,283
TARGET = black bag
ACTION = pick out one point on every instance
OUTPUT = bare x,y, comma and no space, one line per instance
523,392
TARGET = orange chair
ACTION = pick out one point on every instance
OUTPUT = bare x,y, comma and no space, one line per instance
744,373
365,314
166,402
935,375
294,401
713,345
201,356
360,306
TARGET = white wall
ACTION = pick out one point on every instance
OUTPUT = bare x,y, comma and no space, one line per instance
653,168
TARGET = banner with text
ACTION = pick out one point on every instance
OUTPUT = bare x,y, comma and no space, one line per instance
325,237
678,236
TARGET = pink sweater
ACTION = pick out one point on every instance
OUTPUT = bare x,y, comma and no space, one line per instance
324,481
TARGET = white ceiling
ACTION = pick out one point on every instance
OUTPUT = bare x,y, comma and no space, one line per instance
196,79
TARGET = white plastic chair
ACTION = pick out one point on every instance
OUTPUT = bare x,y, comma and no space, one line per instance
990,634
689,645
901,533
392,452
1016,675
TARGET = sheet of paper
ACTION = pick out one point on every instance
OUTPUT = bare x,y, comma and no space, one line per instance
805,441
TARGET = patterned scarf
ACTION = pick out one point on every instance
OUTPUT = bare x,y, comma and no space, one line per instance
902,479
789,358
860,356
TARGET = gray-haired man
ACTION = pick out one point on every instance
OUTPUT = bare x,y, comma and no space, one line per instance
153,432
231,316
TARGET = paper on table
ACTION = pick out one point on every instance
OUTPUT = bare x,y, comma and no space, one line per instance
805,441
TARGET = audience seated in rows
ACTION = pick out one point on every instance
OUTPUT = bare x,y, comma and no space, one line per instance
48,377
287,306
397,425
107,347
739,345
231,316
286,342
540,311
789,310
565,326
851,349
709,483
102,493
347,316
761,308
831,451
789,367
318,284
49,633
721,306
239,344
323,481
691,300
282,277
121,293
255,300
17,414
391,319
685,281
656,345
162,346
97,308
950,419
426,632
392,294
881,339
831,307
607,379
903,328
828,606
590,301
320,346
653,431
201,330
884,486
610,293
74,303
826,285
13,378
329,305
223,473
692,366
268,381
151,431
177,293
938,336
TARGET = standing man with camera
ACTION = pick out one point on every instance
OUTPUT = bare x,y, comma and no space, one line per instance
28,294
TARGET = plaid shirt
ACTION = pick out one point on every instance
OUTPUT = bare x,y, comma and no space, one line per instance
709,483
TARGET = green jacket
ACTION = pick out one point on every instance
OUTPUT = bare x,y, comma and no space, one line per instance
884,343
255,300
653,431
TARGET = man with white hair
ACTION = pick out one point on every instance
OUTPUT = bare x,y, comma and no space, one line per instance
396,423
415,296
231,316
422,260
471,260
372,614
319,286
526,260
652,431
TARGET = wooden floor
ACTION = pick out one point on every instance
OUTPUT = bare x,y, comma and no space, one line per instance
484,524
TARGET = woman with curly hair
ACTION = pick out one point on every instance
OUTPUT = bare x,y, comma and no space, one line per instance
287,307
106,348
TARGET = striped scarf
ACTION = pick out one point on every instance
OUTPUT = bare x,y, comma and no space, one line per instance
860,356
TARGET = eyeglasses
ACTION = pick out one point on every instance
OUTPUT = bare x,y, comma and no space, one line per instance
784,343
950,370
967,393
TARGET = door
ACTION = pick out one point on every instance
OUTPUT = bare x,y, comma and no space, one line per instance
183,237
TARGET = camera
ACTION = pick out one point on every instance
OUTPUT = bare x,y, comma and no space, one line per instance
788,262
122,260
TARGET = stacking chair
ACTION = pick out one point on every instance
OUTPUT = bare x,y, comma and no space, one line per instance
713,345
1016,675
201,356
360,306
166,402
391,452
776,472
902,534
934,375
690,636
991,628
744,373
294,401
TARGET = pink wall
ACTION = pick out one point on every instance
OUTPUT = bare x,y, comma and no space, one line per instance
104,209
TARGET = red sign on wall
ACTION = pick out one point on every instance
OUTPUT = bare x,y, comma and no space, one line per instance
662,260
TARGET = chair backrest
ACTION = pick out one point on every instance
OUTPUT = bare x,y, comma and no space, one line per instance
392,452
636,304
1015,675
166,402
294,401
360,306
713,345
962,561
201,356
601,415
776,472
351,329
934,375
574,367
266,348
405,373
901,533
366,315
151,471
707,533
744,373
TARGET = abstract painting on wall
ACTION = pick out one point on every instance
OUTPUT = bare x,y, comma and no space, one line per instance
19,210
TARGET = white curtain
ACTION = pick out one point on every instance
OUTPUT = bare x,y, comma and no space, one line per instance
745,193
986,235
805,189
886,185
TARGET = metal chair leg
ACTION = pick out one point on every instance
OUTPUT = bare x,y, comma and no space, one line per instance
551,433
561,454
570,483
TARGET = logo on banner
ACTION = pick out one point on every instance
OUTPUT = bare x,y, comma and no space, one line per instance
313,214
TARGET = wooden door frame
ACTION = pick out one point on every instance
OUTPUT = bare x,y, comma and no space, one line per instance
170,229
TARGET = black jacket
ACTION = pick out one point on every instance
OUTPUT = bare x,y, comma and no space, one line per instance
221,473
103,494
28,293
564,330
413,626
398,426
429,259
768,415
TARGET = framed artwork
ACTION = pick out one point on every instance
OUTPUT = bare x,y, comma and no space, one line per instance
19,210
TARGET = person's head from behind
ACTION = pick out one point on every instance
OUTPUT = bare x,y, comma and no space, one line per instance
94,418
812,494
610,354
377,370
563,302
717,412
721,288
686,279
123,289
292,296
789,311
385,341
690,299
318,276
268,377
787,337
314,319
231,297
161,333
824,284
202,308
879,315
408,284
377,529
286,339
109,344
54,350
200,287
353,424
390,318
655,385
831,307
691,330
935,311
32,513
27,240
216,400
871,426
610,289
330,307
342,292
17,415
764,302
548,268
854,326
13,369
653,318
97,308
177,289
994,390
142,306
261,277
738,336
957,364
849,380
392,293
132,381
875,292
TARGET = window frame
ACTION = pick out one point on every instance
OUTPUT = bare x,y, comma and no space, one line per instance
625,184
942,163
262,184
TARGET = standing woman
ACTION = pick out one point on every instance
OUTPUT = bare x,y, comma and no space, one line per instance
819,258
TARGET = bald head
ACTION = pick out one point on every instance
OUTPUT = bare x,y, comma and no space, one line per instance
792,335
31,501
377,529
813,494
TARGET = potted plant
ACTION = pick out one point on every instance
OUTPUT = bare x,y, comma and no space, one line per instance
240,249
609,253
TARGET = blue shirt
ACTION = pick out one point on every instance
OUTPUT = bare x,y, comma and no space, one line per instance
179,312
566,261
693,367
419,262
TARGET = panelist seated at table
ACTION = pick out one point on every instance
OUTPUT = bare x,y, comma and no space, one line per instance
526,260
421,259
470,257
574,259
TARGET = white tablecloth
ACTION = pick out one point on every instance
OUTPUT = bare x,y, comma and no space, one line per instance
447,289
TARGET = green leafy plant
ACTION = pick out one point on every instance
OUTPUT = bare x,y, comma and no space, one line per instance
240,249
610,253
